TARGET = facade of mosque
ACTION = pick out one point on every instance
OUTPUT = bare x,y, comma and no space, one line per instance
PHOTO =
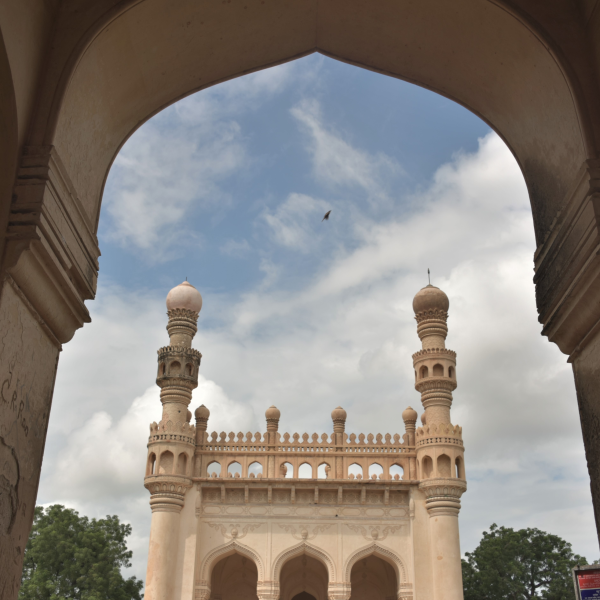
293,517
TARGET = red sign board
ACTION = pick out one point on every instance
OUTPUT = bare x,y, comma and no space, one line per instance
588,582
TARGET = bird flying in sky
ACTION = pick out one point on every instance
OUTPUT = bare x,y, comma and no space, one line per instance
326,217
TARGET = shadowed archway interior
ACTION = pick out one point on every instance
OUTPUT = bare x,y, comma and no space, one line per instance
303,575
373,578
234,578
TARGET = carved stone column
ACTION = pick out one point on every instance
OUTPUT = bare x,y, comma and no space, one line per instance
49,269
567,287
338,415
272,415
443,505
166,501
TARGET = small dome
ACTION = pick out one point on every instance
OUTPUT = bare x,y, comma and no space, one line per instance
202,412
410,414
272,413
338,414
186,296
430,298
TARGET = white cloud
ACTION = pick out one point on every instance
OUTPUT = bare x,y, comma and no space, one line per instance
175,164
292,224
339,164
346,337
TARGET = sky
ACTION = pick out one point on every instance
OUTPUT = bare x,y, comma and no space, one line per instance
228,188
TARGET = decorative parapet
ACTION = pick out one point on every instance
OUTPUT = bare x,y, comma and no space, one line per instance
286,443
434,351
439,434
166,350
172,432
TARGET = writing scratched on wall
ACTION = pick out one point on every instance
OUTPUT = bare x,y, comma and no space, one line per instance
16,400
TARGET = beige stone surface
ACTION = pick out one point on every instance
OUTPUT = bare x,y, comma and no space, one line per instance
245,522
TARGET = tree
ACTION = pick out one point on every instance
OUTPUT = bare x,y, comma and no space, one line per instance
68,556
528,564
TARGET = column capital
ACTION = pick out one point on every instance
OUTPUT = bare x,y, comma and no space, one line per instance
443,495
167,492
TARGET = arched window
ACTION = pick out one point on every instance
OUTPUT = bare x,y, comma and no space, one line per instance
287,470
444,466
305,471
324,471
174,368
151,464
396,472
234,469
375,471
165,465
188,370
255,469
424,372
451,372
161,369
356,471
214,469
427,466
438,370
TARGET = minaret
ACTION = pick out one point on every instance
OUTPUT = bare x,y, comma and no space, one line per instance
172,441
439,447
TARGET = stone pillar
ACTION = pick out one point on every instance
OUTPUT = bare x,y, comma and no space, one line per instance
586,368
409,416
443,505
49,269
272,414
162,556
338,415
202,414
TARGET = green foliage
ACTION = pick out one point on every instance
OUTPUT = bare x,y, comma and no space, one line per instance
528,564
68,556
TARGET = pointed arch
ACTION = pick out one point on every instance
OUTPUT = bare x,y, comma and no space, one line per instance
382,552
226,550
303,548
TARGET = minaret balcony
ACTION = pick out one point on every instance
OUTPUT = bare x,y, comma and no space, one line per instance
433,384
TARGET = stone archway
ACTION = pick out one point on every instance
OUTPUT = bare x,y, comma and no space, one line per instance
80,77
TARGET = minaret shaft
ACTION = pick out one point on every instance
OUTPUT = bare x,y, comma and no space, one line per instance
439,448
172,442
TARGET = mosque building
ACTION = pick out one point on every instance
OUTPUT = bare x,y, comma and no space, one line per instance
335,516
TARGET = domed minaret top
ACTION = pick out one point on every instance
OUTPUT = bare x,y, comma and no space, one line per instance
184,303
430,298
431,312
184,296
435,365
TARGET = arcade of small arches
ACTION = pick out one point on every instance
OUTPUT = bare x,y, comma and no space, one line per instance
303,573
437,371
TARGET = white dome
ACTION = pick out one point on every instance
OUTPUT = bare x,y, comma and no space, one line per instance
186,296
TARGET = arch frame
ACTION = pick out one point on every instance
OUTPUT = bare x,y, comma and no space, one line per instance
382,552
220,552
299,550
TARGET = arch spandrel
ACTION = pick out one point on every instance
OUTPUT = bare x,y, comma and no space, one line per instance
156,53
